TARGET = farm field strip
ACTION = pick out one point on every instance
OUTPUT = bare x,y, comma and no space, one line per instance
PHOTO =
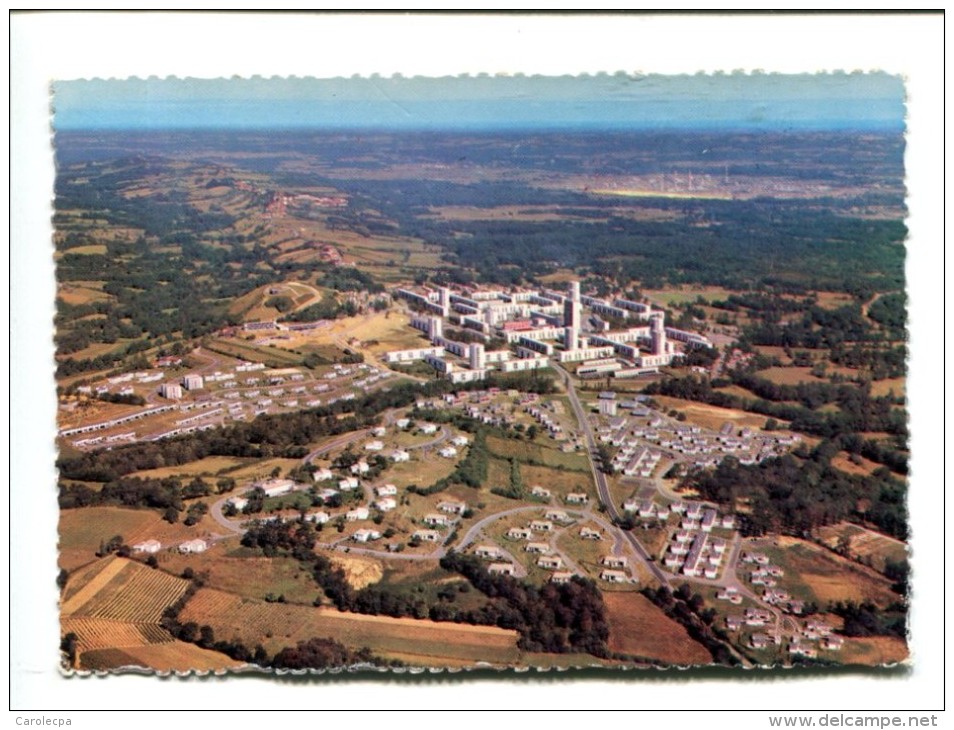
251,620
88,592
142,599
126,591
172,656
97,633
211,602
209,466
640,628
254,353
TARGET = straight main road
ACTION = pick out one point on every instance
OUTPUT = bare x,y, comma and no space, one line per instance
602,488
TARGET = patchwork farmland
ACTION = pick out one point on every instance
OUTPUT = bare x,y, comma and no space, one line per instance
457,399
117,604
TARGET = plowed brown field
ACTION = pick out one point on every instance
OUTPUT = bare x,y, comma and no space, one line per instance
640,628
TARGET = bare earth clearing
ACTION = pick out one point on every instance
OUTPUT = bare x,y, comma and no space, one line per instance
172,656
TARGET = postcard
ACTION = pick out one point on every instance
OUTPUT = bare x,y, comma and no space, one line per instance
481,372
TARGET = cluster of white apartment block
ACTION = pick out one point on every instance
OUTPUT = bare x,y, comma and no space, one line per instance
196,382
627,344
693,550
706,448
541,416
115,421
633,460
479,361
542,316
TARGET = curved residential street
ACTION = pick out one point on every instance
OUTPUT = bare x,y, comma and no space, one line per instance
624,542
339,442
216,511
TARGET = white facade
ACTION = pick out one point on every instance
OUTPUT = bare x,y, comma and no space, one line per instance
528,363
193,546
193,382
366,535
478,358
398,356
173,391
148,546
276,487
358,513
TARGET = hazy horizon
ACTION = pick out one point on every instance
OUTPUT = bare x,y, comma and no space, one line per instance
757,102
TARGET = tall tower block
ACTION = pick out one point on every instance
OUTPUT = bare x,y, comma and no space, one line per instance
658,333
435,328
444,301
569,338
572,316
478,359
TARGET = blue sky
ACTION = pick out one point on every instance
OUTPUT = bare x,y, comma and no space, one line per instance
737,101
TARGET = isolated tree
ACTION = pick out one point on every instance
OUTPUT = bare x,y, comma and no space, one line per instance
68,646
